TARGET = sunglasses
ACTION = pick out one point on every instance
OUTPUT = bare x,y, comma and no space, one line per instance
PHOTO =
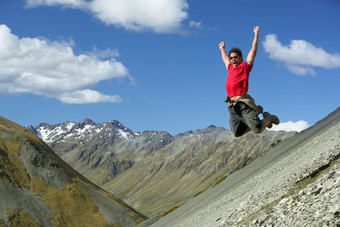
234,57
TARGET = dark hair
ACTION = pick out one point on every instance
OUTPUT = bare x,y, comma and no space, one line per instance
237,51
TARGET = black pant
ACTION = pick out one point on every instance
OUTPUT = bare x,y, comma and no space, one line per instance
241,117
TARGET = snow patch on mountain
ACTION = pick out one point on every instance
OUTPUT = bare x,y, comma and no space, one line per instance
85,129
50,133
124,135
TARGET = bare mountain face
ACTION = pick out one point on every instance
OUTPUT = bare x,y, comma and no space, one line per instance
154,171
37,188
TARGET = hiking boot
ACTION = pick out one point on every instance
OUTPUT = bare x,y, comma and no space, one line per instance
260,109
273,119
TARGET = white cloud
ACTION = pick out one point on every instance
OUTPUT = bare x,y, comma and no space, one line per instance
161,16
300,56
40,67
195,24
291,126
87,96
65,3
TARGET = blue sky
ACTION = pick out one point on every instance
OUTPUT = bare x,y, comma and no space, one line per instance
156,65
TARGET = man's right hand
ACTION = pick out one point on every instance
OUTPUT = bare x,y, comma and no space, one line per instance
225,57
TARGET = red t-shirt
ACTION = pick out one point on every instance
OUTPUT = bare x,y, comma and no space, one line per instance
238,79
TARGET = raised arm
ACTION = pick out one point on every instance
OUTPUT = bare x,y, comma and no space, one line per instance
224,54
252,53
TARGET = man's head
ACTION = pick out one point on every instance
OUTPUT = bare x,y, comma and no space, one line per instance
235,56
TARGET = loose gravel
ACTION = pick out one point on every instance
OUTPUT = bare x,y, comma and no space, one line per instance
296,184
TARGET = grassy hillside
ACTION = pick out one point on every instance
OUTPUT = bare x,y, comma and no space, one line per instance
30,169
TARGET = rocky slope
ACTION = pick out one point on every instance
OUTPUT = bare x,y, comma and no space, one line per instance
154,171
295,184
37,188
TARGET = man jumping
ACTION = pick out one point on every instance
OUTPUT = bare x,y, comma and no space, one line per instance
242,108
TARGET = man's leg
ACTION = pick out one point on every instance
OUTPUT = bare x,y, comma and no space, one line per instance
264,124
237,126
243,120
251,118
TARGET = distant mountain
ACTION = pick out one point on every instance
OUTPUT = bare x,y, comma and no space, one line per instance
108,148
153,171
37,188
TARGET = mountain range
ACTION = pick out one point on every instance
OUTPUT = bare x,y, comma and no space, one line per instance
154,171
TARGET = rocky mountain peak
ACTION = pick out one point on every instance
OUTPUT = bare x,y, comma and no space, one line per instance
116,124
85,129
45,125
32,129
84,123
